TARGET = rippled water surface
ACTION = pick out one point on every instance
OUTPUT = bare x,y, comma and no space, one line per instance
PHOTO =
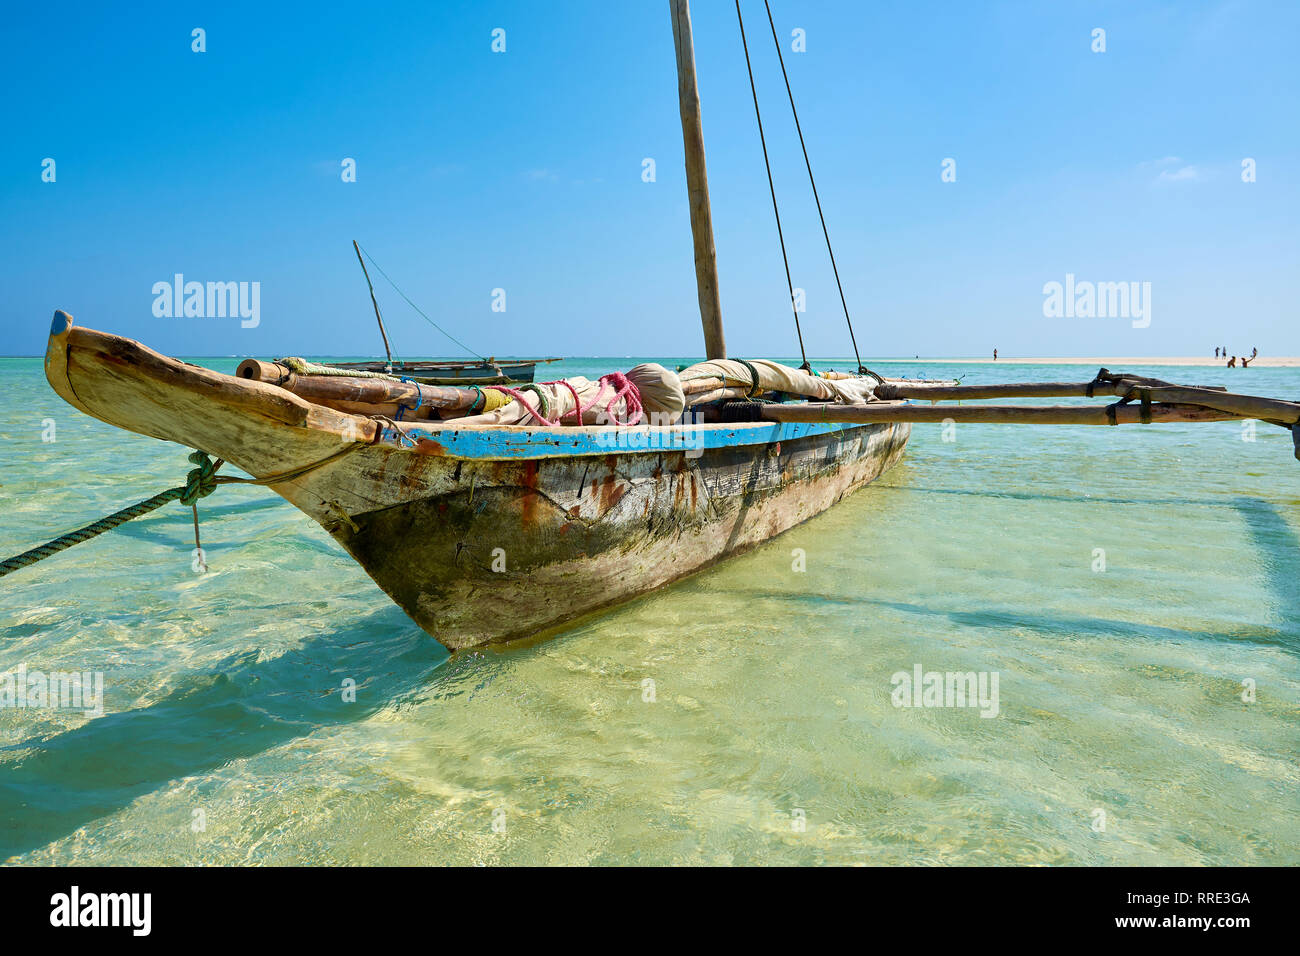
1121,737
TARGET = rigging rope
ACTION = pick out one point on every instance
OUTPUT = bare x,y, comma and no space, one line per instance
808,163
772,188
481,358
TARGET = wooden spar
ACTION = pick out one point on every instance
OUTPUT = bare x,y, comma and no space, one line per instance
370,286
1239,406
989,414
1242,406
353,392
697,183
950,393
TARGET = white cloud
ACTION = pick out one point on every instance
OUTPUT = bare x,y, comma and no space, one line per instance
1183,174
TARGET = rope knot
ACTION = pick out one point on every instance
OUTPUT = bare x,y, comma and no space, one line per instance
201,481
624,389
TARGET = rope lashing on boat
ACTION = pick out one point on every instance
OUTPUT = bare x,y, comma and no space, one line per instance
201,481
538,411
397,429
1103,377
578,408
493,399
754,388
1143,395
419,398
624,390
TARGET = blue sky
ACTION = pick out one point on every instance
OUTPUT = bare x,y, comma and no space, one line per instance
522,171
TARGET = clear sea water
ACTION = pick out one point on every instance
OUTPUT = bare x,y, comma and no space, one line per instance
768,733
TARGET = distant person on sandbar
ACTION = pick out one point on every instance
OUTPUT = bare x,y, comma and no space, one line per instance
1232,362
1216,353
995,355
1253,353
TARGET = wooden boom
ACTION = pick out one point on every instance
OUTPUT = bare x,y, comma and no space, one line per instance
957,393
991,414
1126,387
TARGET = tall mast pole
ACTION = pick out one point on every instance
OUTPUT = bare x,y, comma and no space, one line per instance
697,183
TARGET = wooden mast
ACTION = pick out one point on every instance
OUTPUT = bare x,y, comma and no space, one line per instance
697,183
375,303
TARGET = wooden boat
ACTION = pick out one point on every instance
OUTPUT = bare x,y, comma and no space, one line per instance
489,372
486,534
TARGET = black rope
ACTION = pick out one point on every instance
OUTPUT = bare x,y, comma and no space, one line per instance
813,182
762,139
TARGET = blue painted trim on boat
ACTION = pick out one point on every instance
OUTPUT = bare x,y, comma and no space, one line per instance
515,443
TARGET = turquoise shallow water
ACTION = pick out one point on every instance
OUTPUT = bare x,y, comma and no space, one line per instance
768,734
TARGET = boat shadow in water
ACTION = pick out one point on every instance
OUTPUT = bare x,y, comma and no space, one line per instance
245,705
1279,547
1046,623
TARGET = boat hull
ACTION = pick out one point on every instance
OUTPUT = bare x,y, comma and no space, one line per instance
510,549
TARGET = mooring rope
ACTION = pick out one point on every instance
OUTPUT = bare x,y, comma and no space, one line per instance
200,482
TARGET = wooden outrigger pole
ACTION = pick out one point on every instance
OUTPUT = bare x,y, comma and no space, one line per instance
697,183
1157,401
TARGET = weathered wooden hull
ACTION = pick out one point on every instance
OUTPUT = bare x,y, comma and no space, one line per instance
485,535
505,549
